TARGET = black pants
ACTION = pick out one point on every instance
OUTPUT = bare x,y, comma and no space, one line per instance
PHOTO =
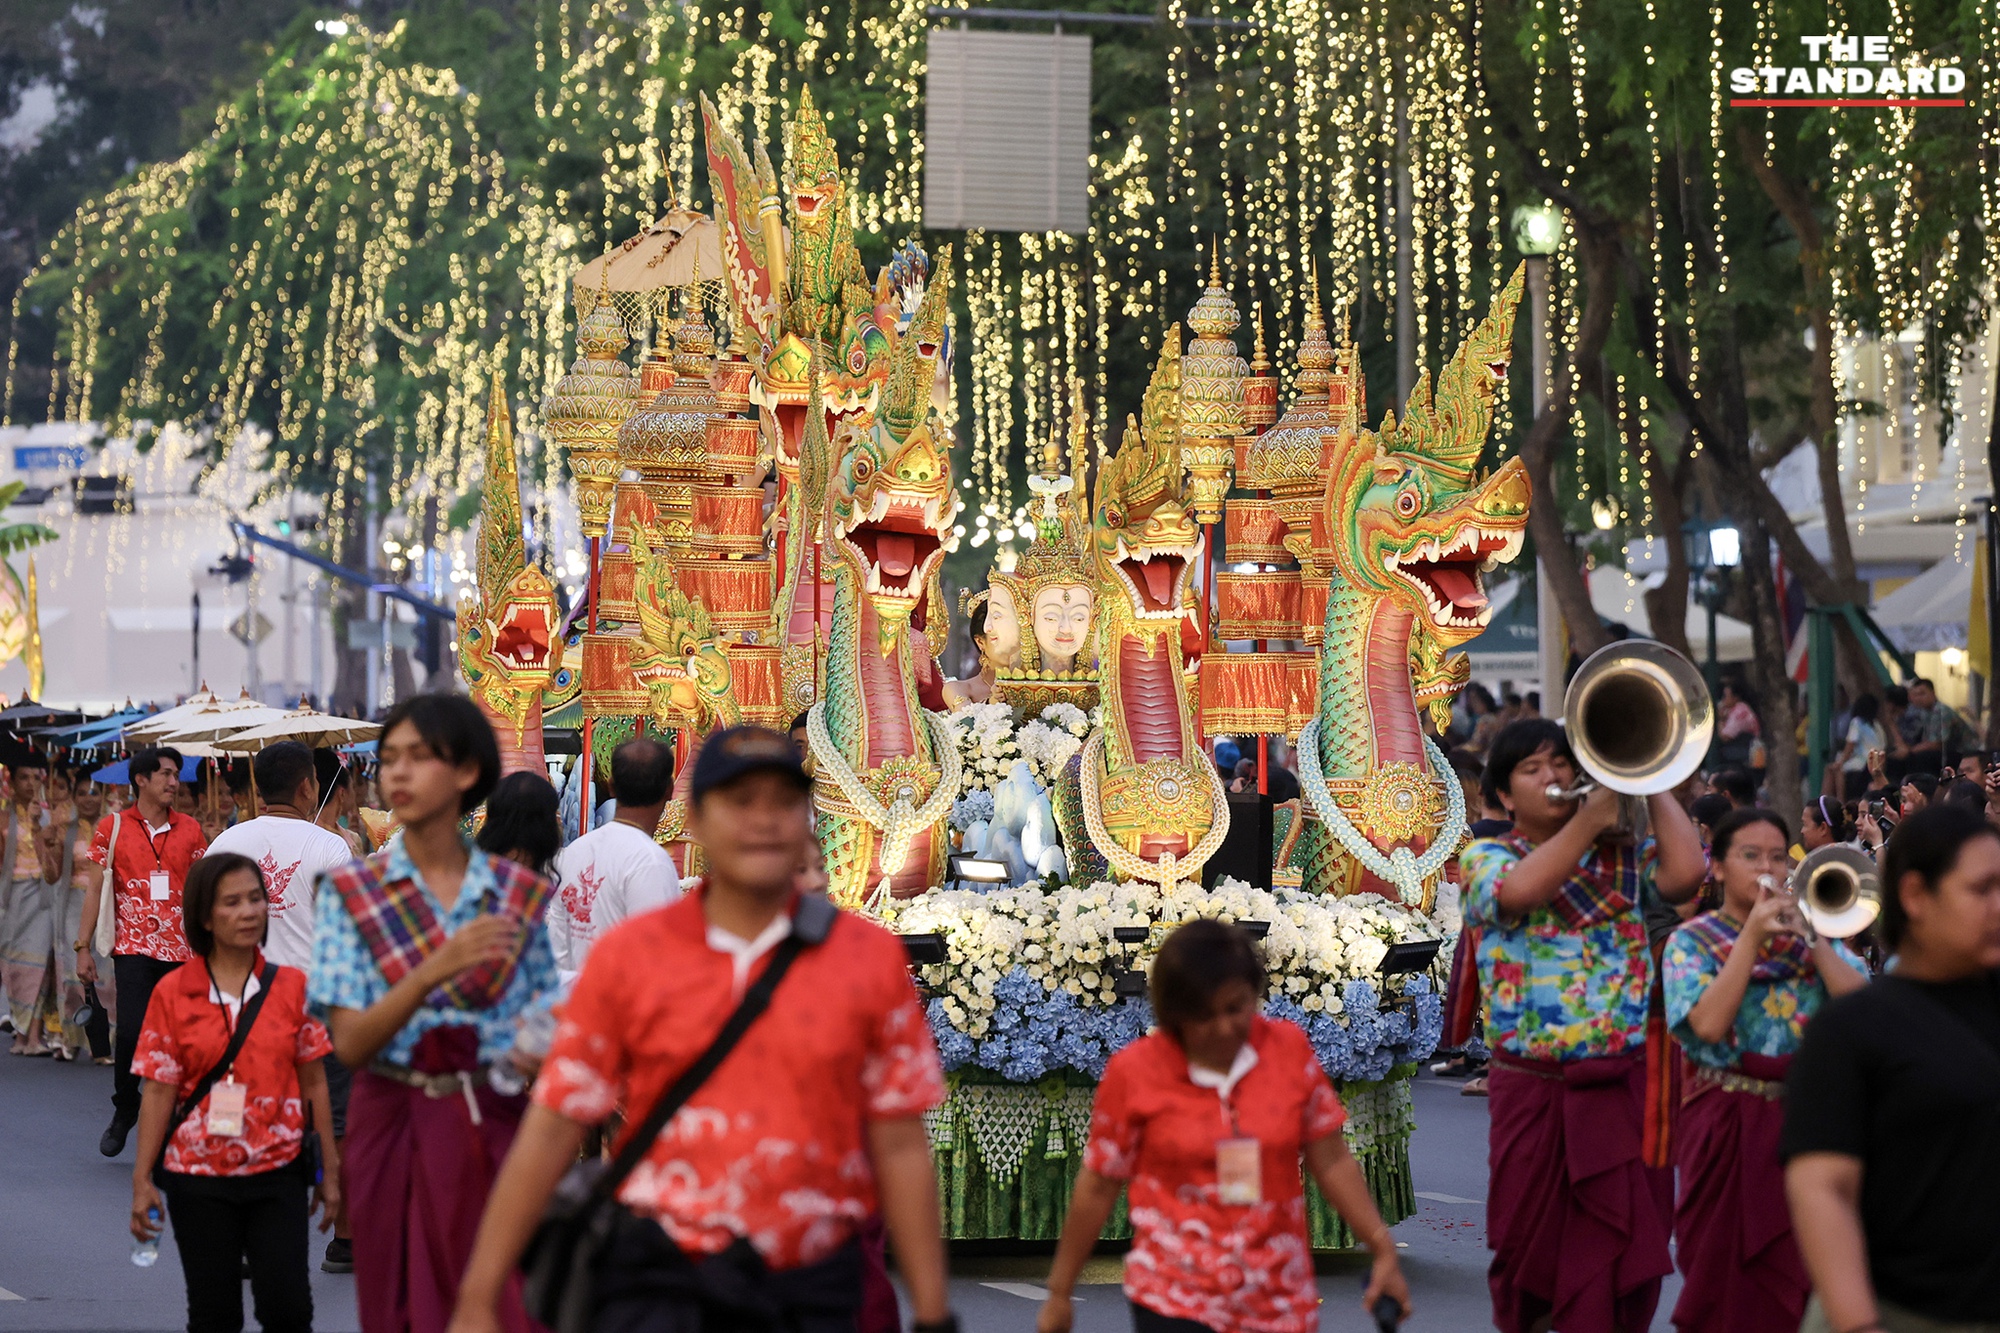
137,975
219,1221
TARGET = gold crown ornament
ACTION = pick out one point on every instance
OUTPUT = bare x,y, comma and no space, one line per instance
1213,378
590,405
667,442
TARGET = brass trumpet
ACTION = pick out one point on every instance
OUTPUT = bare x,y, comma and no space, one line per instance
1839,891
1639,720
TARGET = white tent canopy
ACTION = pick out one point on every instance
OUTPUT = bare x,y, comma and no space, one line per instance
1931,611
1616,595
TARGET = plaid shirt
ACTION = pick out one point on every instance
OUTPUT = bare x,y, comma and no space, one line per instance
345,974
1570,979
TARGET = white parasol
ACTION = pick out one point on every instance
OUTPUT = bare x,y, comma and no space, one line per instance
305,726
166,720
216,723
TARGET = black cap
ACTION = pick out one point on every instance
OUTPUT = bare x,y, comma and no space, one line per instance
733,751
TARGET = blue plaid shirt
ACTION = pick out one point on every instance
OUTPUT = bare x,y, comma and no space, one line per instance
344,975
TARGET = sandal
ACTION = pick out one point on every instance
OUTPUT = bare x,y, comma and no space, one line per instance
1474,1086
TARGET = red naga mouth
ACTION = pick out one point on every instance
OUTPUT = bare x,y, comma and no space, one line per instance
521,640
1154,580
1448,572
897,543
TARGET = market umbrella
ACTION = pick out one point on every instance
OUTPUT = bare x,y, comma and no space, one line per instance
663,255
121,772
216,723
160,723
115,721
30,711
316,729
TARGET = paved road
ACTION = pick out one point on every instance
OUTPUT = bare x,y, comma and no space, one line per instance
64,1248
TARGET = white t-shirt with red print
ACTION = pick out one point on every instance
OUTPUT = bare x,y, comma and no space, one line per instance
293,854
612,872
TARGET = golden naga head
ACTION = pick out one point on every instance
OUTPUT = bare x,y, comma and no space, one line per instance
509,650
680,658
1405,515
1141,531
890,497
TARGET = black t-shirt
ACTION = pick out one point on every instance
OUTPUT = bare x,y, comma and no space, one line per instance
1905,1075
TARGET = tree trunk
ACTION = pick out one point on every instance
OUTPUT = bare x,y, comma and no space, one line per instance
1666,605
1793,202
348,604
1777,711
1538,445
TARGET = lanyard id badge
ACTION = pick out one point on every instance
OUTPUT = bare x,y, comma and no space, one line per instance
1239,1171
161,890
225,1109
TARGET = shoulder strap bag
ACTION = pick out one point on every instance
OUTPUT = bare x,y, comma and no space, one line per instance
561,1261
105,934
251,1008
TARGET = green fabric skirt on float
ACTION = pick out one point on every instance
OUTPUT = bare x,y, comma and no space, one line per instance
1008,1153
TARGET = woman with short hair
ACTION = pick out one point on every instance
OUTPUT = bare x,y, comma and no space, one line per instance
231,1161
1206,1121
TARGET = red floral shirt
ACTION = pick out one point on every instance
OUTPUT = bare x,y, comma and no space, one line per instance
147,925
187,1030
773,1146
1242,1267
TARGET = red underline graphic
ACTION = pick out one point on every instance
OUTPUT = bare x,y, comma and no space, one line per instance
1847,101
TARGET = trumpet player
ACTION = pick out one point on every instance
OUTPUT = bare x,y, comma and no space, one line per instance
1577,1229
1742,982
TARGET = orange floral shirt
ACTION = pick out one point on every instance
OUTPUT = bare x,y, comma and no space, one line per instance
1245,1267
773,1147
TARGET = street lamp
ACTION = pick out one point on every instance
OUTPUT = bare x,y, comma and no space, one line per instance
1538,229
1537,233
1712,552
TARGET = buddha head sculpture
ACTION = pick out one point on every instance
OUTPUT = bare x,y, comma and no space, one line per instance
1051,585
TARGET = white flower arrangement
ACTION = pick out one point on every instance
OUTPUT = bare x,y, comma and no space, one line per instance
1050,740
990,742
1061,939
986,744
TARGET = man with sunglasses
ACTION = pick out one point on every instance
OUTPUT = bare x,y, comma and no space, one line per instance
293,851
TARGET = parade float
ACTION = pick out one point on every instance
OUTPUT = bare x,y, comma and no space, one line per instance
767,515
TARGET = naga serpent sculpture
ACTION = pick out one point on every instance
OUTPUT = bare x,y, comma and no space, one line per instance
886,773
1149,801
509,649
1409,530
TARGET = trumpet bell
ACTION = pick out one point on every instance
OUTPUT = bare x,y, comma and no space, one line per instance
1839,890
1639,717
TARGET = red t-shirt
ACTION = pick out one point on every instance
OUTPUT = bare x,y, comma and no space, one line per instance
187,1030
773,1146
1242,1267
148,925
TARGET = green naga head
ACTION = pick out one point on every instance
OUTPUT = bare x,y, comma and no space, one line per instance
680,657
1140,530
1405,516
890,496
509,649
822,250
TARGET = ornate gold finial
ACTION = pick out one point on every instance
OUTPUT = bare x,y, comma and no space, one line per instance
1212,384
589,405
1260,358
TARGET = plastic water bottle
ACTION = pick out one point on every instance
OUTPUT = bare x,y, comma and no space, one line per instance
146,1253
537,1033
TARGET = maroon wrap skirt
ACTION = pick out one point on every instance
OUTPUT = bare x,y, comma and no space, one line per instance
418,1172
1575,1224
1741,1265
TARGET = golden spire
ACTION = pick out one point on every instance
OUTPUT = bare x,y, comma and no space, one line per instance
1260,359
31,656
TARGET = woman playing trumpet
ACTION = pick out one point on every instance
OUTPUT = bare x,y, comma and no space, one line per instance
1741,984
